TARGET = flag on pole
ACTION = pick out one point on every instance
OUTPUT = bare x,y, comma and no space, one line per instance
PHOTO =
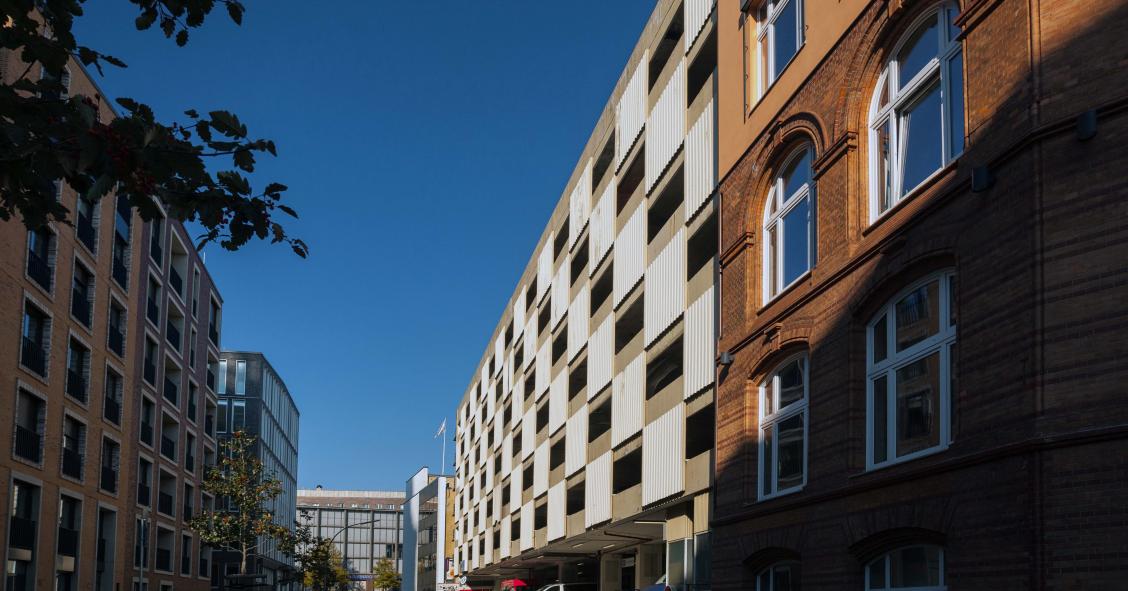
442,429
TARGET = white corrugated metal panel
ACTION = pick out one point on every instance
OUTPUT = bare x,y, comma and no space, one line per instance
478,422
665,127
700,162
516,485
544,367
602,234
495,508
597,490
526,526
630,113
540,469
696,15
579,313
483,451
488,484
530,342
561,290
630,255
507,376
665,288
518,400
474,556
663,456
544,268
558,402
483,514
579,205
506,530
491,401
485,374
528,432
575,441
499,429
519,313
700,334
556,511
627,395
499,350
506,455
601,356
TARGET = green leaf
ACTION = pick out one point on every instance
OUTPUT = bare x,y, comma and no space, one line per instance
127,103
235,11
182,37
145,20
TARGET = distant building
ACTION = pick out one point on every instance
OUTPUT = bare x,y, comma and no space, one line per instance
428,518
253,398
365,526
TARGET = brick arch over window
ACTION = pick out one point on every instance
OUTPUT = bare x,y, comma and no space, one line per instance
876,544
761,559
882,27
779,343
897,270
784,138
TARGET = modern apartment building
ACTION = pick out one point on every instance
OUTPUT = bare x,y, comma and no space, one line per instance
254,399
585,437
922,326
366,526
428,532
108,408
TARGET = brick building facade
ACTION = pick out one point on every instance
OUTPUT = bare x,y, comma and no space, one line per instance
107,395
920,387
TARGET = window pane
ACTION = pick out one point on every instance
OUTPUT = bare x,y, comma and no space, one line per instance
790,470
884,166
798,173
796,245
766,464
920,127
786,577
877,574
955,104
918,315
240,377
765,582
917,52
791,383
786,31
880,337
880,416
915,567
773,286
918,412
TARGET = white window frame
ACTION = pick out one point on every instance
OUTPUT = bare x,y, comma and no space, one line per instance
773,253
767,16
770,387
770,570
942,343
886,557
900,99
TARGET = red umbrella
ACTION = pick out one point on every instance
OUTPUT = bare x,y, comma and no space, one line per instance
513,584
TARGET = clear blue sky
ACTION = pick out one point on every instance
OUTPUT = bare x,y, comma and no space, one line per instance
425,144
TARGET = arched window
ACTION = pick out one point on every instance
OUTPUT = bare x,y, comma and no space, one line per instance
910,346
916,116
783,429
781,576
789,235
920,568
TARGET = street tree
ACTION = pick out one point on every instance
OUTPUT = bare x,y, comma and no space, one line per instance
386,576
196,167
247,523
322,566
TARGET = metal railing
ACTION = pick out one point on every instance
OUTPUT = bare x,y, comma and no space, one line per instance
39,270
80,307
22,533
171,390
116,340
172,334
175,281
144,494
153,311
168,448
164,559
87,234
109,479
150,371
76,385
29,445
112,410
146,432
33,356
68,542
72,463
120,273
164,503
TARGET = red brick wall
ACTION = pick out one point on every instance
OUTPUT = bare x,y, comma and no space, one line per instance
1029,493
